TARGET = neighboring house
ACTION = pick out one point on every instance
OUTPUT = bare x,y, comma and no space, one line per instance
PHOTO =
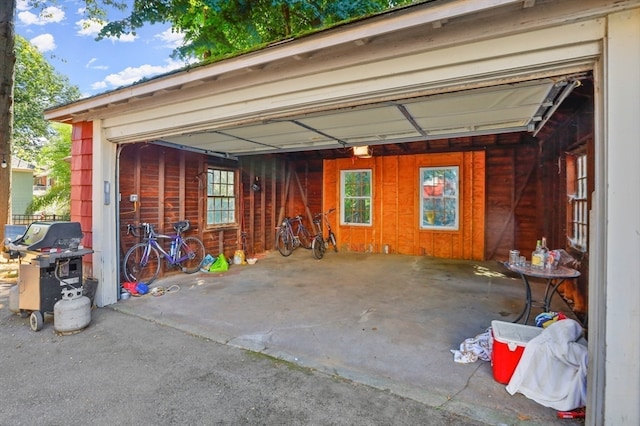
487,125
42,183
21,185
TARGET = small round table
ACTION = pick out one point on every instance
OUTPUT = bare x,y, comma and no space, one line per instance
560,273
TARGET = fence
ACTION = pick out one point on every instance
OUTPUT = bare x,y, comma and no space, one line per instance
27,219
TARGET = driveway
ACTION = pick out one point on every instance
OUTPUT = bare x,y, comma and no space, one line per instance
387,321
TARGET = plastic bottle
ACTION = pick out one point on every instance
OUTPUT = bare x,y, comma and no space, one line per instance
545,253
172,250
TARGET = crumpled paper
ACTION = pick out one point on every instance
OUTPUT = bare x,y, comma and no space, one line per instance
474,348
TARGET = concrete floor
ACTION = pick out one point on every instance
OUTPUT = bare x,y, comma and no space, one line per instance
387,321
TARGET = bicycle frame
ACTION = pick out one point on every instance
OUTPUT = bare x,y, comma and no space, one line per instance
143,260
319,245
287,240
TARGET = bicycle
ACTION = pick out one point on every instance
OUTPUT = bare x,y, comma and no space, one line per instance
287,240
142,261
319,245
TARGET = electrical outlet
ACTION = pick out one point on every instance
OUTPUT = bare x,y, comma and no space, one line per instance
133,198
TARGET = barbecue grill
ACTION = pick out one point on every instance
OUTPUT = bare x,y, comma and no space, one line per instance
50,256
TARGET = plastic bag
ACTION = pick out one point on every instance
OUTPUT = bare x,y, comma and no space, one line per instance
207,262
220,265
238,258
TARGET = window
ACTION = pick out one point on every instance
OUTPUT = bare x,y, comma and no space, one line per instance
439,203
221,197
356,197
578,200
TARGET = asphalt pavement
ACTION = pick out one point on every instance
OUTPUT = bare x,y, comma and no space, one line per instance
124,370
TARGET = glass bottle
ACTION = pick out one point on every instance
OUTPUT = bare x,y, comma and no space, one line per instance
537,260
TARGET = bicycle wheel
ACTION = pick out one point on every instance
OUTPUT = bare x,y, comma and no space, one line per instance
317,247
194,249
305,238
332,241
141,264
284,242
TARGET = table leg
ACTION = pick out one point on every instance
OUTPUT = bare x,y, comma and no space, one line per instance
526,311
549,295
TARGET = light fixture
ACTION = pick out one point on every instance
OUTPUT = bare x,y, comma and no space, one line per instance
4,162
256,185
362,151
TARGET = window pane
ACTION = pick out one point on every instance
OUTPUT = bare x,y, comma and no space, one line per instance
577,190
221,197
439,197
356,197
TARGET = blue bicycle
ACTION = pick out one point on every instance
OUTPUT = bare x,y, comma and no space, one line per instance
142,262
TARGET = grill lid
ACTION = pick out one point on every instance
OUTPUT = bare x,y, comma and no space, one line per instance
51,235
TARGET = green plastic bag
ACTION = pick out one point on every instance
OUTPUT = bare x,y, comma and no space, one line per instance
220,265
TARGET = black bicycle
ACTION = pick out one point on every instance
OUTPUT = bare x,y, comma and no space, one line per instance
319,244
288,239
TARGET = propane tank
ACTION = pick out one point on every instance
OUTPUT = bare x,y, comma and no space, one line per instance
72,312
14,299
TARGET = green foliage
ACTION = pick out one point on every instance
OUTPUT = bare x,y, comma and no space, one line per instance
217,28
54,158
37,87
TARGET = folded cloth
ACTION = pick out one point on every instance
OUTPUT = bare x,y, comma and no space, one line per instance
553,368
474,348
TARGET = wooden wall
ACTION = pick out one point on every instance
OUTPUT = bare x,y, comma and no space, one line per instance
287,188
512,201
396,206
171,186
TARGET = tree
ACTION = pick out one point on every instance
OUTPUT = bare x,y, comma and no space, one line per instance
7,10
54,158
216,28
37,87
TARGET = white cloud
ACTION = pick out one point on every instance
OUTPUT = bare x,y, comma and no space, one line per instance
91,28
171,39
99,85
95,67
23,5
125,38
44,42
130,75
48,15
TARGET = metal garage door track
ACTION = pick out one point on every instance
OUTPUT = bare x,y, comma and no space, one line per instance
388,321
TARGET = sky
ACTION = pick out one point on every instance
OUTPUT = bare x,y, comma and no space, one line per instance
67,40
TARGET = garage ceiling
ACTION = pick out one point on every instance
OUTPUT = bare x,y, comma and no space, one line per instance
499,109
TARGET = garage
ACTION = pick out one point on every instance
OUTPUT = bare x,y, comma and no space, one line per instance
509,95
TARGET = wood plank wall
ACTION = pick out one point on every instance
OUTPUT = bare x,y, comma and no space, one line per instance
512,198
396,200
287,188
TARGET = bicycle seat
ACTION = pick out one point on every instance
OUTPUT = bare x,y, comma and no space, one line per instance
181,226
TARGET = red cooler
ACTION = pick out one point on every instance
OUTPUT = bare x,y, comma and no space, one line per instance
509,341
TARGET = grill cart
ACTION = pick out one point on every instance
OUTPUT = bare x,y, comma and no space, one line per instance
50,267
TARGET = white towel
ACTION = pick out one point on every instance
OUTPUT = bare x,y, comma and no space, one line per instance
553,368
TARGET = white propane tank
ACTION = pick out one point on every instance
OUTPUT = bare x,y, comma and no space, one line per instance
72,312
14,299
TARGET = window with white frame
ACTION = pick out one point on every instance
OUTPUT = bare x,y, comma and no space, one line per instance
221,197
356,197
578,213
439,198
